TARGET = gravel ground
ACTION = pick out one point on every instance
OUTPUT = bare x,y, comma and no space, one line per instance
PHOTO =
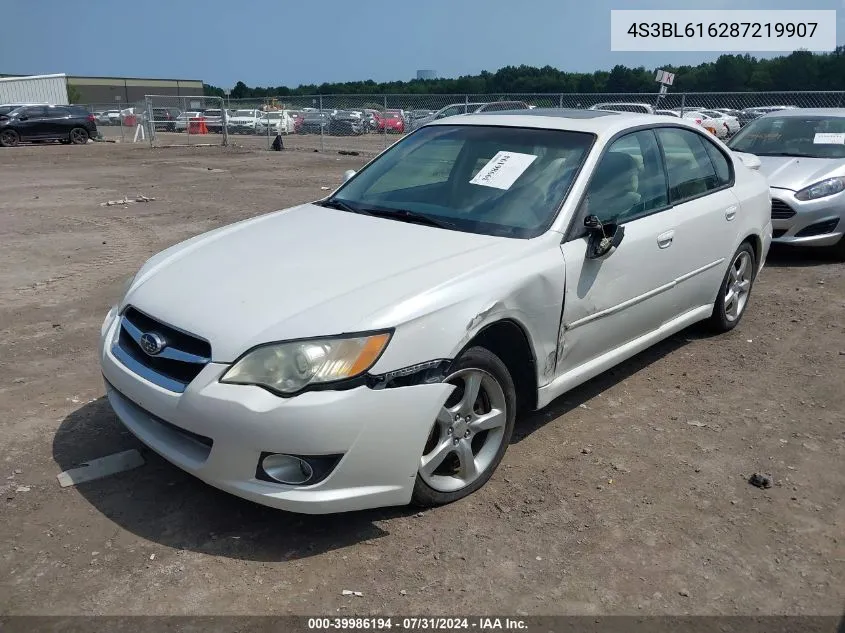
628,495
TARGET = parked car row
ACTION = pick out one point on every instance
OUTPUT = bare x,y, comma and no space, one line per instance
722,122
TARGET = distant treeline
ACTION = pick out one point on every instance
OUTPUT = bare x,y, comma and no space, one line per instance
800,70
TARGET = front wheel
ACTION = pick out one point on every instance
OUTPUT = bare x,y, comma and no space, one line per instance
471,432
735,290
9,138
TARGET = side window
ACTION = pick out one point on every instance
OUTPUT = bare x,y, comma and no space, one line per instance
34,112
57,113
629,182
449,112
691,171
720,163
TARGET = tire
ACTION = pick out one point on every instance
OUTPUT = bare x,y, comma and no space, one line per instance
9,138
735,290
78,136
443,477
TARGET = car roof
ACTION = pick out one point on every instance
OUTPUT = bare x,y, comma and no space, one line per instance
599,122
830,112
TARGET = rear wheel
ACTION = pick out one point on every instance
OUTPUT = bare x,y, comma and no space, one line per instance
735,290
9,138
78,136
471,432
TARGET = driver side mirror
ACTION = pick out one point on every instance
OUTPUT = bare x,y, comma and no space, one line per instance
348,174
602,238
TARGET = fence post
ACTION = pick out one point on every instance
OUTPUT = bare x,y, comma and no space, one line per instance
149,117
560,101
224,115
683,102
384,123
322,125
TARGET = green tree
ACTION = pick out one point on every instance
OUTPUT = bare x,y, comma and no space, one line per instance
73,94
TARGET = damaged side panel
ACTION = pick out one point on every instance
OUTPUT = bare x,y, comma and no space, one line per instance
527,291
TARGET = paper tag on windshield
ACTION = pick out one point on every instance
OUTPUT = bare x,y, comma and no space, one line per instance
829,138
503,170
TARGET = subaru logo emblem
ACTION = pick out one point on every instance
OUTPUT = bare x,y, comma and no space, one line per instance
152,343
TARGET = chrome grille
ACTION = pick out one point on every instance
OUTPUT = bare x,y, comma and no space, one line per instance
174,366
781,210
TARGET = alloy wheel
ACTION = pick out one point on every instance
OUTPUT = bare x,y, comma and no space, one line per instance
78,136
9,138
467,434
739,285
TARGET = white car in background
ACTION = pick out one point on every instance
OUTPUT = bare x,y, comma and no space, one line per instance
484,265
642,108
244,121
729,123
694,116
713,126
278,122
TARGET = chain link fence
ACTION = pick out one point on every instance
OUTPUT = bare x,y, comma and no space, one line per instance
184,120
116,121
368,124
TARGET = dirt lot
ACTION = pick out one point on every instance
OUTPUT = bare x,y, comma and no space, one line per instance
627,495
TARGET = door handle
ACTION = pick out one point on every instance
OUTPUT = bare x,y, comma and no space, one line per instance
730,213
664,240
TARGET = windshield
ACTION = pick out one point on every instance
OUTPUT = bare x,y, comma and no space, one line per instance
810,136
481,179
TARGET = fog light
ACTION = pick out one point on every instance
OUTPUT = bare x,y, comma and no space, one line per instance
287,469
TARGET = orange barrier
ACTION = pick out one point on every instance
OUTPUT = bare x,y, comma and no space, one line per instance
196,125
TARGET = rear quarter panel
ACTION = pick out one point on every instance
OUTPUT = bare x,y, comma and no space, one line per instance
752,189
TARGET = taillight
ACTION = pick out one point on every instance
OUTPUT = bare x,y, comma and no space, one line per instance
698,121
91,118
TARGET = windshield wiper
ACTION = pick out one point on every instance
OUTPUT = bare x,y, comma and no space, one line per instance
398,214
340,205
413,217
789,154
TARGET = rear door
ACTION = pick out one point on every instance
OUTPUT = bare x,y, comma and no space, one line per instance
57,122
705,207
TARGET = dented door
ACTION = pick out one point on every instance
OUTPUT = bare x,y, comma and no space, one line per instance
610,302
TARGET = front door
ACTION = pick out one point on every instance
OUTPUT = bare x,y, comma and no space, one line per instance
612,301
32,124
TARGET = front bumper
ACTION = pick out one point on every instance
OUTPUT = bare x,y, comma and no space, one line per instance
379,433
807,215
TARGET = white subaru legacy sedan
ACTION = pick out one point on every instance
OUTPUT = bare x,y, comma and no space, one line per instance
375,348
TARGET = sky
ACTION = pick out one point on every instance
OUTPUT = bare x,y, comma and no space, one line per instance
281,42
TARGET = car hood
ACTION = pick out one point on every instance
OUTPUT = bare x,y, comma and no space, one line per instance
789,172
303,272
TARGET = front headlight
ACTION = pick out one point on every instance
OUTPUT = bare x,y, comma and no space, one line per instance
822,189
287,368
